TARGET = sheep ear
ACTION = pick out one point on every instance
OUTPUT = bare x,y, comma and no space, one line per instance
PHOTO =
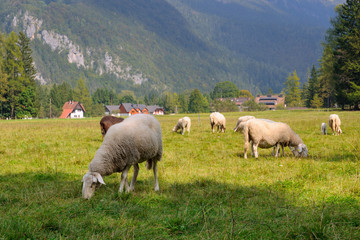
99,178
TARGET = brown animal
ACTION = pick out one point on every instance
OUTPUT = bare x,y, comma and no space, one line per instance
107,121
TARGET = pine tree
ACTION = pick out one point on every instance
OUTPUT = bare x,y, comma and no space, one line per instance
292,90
316,102
82,95
3,75
327,77
313,86
26,52
14,68
32,102
344,40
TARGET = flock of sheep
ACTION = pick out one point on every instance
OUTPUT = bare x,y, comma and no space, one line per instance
138,139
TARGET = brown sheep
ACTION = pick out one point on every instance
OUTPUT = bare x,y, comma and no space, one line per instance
107,121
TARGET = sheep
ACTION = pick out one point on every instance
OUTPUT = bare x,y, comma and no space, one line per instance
107,121
240,127
183,123
240,120
323,129
266,134
217,119
334,123
135,140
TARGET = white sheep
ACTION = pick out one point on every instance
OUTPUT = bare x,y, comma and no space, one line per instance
182,124
135,140
334,123
266,134
240,120
323,129
217,119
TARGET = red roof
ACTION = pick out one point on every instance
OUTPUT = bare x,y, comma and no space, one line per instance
66,113
69,108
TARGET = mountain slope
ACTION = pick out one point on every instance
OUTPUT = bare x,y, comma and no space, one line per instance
170,45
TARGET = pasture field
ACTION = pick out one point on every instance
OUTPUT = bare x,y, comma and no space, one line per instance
207,189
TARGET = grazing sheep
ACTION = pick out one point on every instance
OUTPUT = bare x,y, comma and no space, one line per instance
183,123
135,140
240,128
107,121
266,134
240,120
217,119
323,129
334,123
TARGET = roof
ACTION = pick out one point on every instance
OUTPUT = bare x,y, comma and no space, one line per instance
127,106
112,107
153,108
140,106
69,108
65,113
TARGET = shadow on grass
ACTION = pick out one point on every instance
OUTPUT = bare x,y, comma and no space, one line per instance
41,205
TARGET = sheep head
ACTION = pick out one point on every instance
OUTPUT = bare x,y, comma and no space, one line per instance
300,150
91,181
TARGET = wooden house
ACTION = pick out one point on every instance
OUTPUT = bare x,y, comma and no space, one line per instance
72,109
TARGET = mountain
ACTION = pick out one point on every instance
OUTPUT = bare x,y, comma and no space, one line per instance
147,45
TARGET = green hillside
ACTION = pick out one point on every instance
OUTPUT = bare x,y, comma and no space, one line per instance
164,45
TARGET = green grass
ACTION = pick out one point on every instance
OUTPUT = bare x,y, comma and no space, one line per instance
207,189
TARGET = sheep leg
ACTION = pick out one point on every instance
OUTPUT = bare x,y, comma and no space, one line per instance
282,147
255,150
182,131
246,147
277,153
123,181
133,180
155,176
252,149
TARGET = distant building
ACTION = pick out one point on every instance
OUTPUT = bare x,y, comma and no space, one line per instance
128,109
110,109
72,109
155,110
271,100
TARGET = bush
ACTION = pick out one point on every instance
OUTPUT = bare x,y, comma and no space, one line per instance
224,106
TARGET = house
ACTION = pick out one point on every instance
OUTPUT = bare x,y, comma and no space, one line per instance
72,109
141,108
155,110
128,109
111,109
271,100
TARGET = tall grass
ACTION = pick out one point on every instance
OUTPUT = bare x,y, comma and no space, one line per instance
207,189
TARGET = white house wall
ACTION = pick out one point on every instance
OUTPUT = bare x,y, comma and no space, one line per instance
77,114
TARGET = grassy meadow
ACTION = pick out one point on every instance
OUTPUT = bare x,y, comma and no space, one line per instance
207,189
